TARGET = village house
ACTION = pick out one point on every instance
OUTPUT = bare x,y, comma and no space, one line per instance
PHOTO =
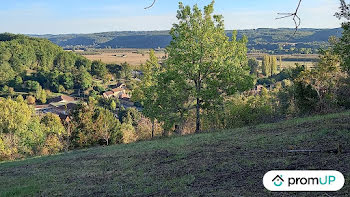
62,98
108,94
116,92
60,105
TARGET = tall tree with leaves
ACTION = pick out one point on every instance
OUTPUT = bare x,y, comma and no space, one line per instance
205,59
266,68
254,66
273,64
145,92
324,78
343,46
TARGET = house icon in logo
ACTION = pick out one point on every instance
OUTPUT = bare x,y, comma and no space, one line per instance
277,181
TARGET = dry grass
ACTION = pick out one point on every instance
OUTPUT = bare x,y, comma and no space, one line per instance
136,57
291,64
226,163
118,57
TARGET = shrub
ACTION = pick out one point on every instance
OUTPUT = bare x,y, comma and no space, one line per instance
52,145
129,134
31,100
242,111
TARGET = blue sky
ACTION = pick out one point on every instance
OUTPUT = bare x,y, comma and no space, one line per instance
89,16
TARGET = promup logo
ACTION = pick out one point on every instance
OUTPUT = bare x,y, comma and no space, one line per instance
303,180
278,181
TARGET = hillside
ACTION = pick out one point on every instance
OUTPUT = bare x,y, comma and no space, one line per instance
227,163
259,39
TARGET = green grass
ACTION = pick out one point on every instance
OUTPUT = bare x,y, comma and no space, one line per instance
225,163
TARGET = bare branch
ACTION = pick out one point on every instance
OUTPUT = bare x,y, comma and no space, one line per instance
295,17
344,10
154,1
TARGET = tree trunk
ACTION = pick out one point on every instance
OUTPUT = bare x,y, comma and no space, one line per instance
198,118
152,128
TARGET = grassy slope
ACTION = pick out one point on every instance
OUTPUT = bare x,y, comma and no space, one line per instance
228,163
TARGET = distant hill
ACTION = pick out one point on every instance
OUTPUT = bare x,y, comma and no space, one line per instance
263,39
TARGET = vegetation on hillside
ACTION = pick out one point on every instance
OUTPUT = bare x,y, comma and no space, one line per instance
206,83
31,63
225,163
277,41
22,133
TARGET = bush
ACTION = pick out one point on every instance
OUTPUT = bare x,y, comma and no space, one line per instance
52,145
32,85
31,100
22,133
129,134
8,147
242,111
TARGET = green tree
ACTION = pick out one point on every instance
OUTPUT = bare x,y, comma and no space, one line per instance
14,115
82,123
205,59
83,62
107,126
53,125
125,72
129,134
323,79
40,94
18,82
65,61
6,73
113,105
84,79
67,80
342,47
273,62
145,92
254,66
280,62
266,66
33,85
99,69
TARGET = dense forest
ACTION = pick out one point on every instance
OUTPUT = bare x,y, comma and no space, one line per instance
27,63
279,41
33,72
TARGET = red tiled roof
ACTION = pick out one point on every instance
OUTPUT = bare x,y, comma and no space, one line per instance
117,89
108,93
61,98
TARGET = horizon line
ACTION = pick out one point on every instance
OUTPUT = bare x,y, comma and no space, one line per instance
53,34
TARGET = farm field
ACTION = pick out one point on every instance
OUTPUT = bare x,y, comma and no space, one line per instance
289,61
223,163
291,64
133,57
